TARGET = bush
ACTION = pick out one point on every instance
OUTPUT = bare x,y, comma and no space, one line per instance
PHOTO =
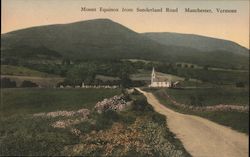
28,84
85,127
240,84
128,119
106,119
141,104
7,83
159,118
136,92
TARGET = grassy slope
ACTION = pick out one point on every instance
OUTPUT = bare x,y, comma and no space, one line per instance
236,120
21,71
23,101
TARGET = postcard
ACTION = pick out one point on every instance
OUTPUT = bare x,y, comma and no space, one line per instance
125,78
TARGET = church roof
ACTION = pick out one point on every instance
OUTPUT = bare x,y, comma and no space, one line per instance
160,79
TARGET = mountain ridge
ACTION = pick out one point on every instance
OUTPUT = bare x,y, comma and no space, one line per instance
106,39
201,42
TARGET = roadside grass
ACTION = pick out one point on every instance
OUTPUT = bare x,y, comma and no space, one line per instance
236,120
32,100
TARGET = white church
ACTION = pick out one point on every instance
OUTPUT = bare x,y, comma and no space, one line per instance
159,82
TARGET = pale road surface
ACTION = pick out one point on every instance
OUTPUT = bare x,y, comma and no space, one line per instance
201,137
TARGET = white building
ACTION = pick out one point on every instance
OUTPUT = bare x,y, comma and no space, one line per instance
159,82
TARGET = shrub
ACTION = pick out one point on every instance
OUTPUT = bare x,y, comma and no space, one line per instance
128,119
141,104
7,83
159,118
106,119
136,92
239,84
28,84
85,127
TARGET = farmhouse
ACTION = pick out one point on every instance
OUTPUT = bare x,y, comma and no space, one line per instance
158,81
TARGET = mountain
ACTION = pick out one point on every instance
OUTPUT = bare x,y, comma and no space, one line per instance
201,43
105,39
101,38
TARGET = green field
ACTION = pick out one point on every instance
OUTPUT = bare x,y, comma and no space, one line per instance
210,96
28,100
220,77
236,120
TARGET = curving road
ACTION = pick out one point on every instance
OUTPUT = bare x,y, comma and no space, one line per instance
201,137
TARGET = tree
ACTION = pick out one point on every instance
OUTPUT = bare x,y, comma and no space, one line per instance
66,61
239,84
124,73
206,67
82,72
179,65
26,83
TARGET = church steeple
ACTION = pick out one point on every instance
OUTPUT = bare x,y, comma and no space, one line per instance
153,75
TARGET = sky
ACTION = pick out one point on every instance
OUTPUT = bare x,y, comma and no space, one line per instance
19,14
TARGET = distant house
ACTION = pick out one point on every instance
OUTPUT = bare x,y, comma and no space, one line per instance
158,81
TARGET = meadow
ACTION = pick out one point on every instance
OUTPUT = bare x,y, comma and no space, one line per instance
210,96
32,100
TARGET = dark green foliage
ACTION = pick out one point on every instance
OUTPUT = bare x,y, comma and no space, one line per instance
240,84
66,62
159,118
7,83
127,119
206,67
26,83
85,127
141,104
106,119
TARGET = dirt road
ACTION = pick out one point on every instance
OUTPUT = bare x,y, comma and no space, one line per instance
201,137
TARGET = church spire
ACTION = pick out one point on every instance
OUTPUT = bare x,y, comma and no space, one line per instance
153,75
